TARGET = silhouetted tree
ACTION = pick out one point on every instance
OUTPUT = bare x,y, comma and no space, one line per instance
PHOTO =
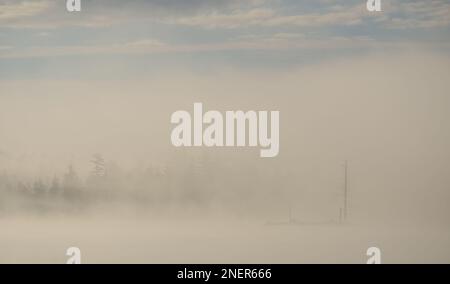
39,188
55,188
71,183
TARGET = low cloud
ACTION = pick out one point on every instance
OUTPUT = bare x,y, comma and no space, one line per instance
10,10
221,14
268,17
419,14
276,41
50,14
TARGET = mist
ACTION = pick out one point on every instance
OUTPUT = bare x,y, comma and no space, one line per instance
90,163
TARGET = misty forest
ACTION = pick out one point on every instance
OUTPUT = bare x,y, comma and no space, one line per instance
149,186
196,182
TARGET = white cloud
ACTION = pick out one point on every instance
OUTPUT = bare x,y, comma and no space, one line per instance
19,9
146,43
224,14
268,17
233,20
133,47
419,14
50,14
400,15
276,41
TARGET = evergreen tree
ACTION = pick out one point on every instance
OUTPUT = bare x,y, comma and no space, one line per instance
71,183
55,188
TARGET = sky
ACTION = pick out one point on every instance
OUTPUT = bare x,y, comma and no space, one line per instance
71,80
127,39
118,64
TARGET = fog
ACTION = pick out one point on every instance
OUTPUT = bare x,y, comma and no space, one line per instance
90,164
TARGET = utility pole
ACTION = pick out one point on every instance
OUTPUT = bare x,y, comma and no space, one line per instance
345,190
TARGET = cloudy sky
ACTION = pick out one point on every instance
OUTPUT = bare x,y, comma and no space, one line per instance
40,39
57,67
